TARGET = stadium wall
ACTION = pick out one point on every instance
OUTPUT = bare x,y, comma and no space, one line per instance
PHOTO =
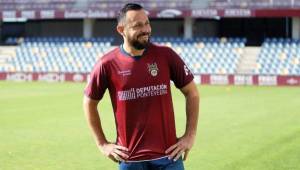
206,79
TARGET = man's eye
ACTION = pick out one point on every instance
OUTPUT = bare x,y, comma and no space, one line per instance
138,26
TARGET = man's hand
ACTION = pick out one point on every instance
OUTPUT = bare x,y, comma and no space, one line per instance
114,152
183,145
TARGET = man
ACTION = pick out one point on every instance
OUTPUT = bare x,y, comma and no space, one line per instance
137,75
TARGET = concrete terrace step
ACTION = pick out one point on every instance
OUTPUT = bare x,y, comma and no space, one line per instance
247,62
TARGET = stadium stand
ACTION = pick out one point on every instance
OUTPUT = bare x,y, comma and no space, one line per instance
207,55
194,30
66,54
279,56
150,4
56,54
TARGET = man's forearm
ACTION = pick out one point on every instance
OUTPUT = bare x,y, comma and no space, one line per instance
93,119
192,108
192,113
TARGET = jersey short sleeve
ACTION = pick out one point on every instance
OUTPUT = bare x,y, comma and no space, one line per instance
97,83
180,73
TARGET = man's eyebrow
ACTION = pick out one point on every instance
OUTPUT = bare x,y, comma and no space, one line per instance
140,22
136,23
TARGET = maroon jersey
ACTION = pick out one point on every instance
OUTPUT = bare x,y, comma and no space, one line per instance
141,97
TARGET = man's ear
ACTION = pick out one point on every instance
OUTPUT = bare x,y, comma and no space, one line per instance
120,29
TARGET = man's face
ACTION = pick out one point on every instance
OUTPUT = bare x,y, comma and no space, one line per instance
137,29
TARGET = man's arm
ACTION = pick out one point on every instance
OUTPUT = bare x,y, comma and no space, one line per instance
111,150
186,142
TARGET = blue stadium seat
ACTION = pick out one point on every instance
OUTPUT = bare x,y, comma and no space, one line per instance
279,56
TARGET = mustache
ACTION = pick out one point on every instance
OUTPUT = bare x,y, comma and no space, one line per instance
144,33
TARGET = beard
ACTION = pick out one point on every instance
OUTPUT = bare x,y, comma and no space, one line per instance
138,43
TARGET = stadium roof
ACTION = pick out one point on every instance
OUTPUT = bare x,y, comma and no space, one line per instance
45,9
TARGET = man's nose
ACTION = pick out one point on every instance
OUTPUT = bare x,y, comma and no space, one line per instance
146,29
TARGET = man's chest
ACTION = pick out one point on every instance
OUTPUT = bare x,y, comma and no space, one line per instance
143,72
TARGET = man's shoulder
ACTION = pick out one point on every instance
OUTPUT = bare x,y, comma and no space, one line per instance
160,48
163,51
108,56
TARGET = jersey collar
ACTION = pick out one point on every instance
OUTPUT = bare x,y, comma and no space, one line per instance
129,55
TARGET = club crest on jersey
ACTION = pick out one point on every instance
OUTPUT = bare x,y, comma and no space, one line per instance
153,69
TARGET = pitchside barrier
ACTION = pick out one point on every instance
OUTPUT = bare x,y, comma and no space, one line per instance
259,80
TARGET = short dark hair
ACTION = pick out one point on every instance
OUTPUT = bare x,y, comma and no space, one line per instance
128,7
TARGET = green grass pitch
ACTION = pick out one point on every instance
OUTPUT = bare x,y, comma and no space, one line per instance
42,126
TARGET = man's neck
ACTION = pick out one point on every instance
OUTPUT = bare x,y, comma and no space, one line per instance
132,51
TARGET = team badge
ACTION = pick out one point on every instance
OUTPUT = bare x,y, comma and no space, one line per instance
153,69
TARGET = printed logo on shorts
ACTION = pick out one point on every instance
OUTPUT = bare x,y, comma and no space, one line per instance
153,69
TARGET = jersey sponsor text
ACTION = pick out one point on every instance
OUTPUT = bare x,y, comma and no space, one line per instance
142,92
